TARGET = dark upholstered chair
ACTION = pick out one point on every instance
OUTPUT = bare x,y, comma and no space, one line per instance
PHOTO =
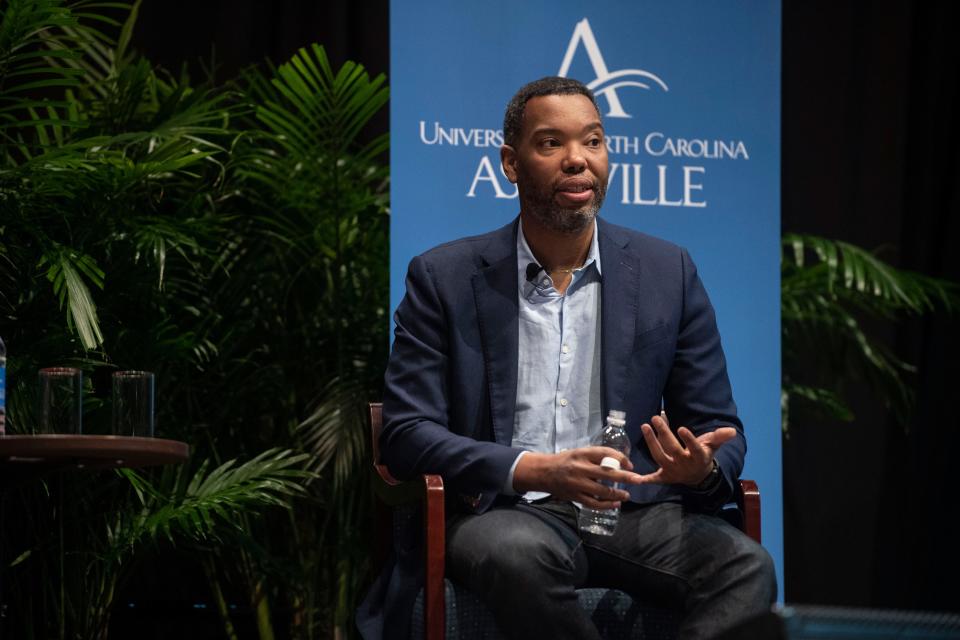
445,611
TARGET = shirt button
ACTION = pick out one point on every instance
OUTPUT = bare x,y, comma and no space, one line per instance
563,402
565,348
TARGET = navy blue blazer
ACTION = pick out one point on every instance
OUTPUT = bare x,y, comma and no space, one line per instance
450,388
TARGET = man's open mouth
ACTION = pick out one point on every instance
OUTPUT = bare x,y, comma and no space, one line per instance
575,192
575,186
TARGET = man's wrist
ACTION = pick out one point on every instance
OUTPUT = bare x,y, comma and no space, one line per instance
508,484
711,480
528,472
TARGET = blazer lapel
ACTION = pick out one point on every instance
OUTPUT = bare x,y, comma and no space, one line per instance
619,308
495,292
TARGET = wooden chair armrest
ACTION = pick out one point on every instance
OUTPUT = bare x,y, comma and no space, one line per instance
427,489
435,555
750,507
393,492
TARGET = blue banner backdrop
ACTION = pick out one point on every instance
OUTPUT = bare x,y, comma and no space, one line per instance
690,93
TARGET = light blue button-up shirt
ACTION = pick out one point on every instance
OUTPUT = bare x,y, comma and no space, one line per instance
558,371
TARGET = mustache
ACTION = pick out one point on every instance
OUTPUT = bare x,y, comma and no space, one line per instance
577,183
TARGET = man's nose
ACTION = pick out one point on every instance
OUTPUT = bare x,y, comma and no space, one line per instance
574,161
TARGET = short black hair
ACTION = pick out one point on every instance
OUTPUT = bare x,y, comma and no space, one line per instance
549,86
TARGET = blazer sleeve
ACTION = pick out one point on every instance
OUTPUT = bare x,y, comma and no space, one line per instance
417,437
698,393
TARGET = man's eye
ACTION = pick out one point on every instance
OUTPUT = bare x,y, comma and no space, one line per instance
550,142
593,142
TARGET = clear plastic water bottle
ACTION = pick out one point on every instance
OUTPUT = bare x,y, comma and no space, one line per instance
3,388
603,522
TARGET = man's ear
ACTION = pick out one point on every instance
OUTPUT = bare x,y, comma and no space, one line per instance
508,158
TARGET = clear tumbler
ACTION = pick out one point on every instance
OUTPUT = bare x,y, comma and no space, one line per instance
61,400
133,401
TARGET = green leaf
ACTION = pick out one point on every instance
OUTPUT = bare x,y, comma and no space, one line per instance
827,288
335,432
64,272
215,501
20,558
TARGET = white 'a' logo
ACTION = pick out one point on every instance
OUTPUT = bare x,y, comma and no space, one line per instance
606,83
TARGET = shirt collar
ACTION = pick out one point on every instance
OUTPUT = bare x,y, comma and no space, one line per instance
525,255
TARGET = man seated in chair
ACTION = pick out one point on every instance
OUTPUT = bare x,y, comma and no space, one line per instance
511,347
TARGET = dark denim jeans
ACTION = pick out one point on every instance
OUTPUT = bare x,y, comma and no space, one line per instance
527,560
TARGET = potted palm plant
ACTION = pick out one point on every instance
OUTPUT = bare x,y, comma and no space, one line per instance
231,238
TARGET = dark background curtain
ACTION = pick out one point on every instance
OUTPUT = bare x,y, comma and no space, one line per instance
870,156
870,134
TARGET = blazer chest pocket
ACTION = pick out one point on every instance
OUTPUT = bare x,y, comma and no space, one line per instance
652,336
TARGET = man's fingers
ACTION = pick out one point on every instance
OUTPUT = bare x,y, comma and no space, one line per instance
717,437
623,477
617,495
667,440
653,444
597,495
606,493
651,478
596,454
600,473
594,503
689,440
595,481
697,448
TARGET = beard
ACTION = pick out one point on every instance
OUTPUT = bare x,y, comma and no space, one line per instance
540,204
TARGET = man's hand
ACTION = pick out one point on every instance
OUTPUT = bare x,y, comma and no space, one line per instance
687,463
575,475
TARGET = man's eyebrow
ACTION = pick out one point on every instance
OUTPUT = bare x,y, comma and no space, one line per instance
553,130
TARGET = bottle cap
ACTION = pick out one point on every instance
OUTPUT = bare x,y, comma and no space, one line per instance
610,463
617,417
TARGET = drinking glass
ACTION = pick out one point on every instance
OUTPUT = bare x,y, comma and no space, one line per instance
61,398
133,399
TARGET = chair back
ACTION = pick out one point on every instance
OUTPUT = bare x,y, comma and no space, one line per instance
376,426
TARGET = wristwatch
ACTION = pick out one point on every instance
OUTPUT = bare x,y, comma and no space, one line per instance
711,481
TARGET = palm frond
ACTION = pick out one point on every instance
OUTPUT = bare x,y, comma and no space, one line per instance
828,289
102,56
23,29
66,271
156,236
28,66
852,273
335,432
196,507
315,115
825,400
